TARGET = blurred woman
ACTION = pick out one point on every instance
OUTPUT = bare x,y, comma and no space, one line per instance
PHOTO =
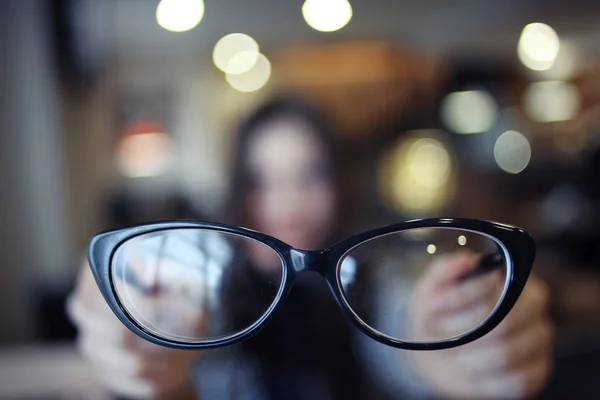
287,183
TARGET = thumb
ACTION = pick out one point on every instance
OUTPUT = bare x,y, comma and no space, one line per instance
447,269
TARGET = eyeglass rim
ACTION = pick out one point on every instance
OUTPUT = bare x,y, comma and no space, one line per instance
518,243
378,334
251,327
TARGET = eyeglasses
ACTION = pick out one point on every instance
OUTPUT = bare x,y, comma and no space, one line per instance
420,285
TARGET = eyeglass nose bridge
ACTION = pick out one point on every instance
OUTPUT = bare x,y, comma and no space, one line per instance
309,260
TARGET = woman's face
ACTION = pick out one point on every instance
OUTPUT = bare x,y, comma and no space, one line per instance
291,197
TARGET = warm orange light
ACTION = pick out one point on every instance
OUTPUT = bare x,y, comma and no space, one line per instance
143,150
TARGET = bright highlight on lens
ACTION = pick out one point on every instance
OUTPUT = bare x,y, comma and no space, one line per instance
327,15
512,152
551,101
253,79
235,53
538,46
179,15
471,111
431,248
462,240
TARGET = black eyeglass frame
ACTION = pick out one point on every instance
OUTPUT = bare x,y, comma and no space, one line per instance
516,241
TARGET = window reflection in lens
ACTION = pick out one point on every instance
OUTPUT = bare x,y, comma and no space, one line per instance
173,282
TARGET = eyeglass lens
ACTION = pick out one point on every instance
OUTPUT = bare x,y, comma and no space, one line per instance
194,285
425,285
420,285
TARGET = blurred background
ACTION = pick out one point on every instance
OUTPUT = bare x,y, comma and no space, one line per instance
116,112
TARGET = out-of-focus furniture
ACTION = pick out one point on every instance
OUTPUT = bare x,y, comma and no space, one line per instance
47,371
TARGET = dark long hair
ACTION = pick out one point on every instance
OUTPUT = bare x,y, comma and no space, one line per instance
320,128
308,336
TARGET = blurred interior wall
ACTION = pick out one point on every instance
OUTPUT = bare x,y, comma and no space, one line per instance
34,218
93,120
200,163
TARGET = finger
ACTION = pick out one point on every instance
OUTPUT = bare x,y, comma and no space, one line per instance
448,268
126,385
519,349
523,382
468,294
106,327
443,270
461,322
106,356
532,304
88,293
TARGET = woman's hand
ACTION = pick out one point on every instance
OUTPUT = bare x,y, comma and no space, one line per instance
128,365
512,361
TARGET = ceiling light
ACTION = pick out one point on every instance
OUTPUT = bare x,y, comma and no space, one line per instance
253,79
538,46
179,15
471,111
235,53
327,15
512,152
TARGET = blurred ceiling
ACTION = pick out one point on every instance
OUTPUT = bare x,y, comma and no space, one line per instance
128,29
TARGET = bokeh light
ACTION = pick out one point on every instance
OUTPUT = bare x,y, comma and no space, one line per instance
471,111
538,46
462,240
429,162
551,101
566,65
235,53
327,15
179,15
512,152
144,150
416,174
562,207
253,79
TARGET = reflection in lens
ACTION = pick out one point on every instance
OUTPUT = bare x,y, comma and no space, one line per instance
431,248
426,284
187,284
